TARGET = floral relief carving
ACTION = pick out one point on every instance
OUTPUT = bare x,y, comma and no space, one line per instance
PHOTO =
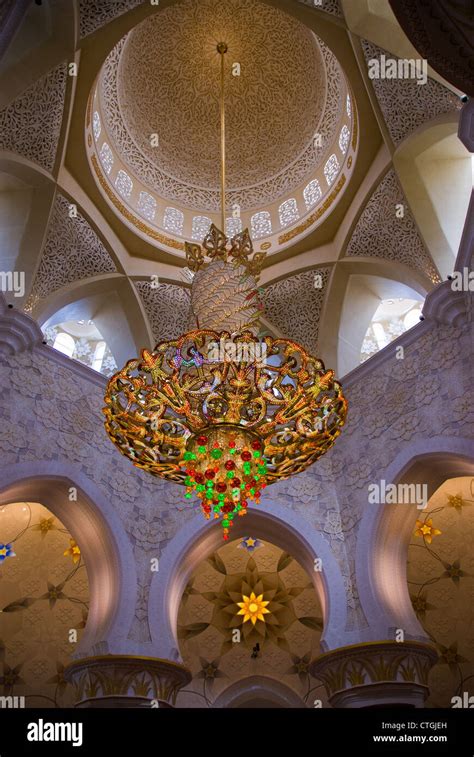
72,252
463,408
167,307
379,233
31,124
394,418
294,305
406,427
96,13
130,121
427,387
358,473
332,525
330,496
405,104
30,376
328,6
304,488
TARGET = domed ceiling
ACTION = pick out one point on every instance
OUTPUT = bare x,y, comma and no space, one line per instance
155,129
169,81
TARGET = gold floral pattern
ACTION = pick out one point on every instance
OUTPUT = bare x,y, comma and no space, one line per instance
253,608
426,530
42,600
442,586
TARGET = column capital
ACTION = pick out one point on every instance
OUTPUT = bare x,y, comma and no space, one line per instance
377,673
126,681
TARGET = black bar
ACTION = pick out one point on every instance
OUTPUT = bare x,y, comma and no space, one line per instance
248,731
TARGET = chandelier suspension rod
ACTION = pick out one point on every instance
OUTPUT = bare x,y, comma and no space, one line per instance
222,49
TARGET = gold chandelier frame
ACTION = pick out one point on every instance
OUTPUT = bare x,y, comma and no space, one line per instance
159,402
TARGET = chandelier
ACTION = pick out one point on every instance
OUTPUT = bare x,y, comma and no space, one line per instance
223,410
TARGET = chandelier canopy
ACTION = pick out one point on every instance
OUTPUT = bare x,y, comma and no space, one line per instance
224,410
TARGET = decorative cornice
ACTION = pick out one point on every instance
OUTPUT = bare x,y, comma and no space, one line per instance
18,331
74,366
447,306
370,367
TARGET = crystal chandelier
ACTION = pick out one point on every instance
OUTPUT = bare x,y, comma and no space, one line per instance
221,410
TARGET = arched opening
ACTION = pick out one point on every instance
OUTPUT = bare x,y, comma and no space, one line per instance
249,610
82,340
381,305
197,541
258,692
391,319
103,309
388,526
64,343
104,547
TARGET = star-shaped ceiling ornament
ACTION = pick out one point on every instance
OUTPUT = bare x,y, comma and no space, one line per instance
250,544
253,608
